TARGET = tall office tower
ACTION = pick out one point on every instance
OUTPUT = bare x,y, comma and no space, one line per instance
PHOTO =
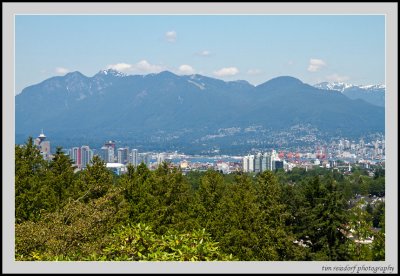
123,155
86,156
110,144
76,156
134,157
257,163
251,163
104,154
245,164
111,151
43,145
267,162
111,155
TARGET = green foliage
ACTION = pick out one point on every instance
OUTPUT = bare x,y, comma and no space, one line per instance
378,247
276,238
359,227
148,215
377,186
140,243
236,220
33,192
161,198
77,230
61,177
209,195
95,180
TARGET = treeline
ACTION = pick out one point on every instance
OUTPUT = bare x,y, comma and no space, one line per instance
164,215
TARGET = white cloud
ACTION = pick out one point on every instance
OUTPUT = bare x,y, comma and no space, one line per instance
336,78
142,66
227,71
146,67
315,65
254,72
170,36
186,69
204,53
61,70
121,67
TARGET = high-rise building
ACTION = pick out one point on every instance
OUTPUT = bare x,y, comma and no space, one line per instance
107,152
111,151
110,144
123,155
111,155
268,162
76,156
86,156
257,162
104,154
43,145
134,157
246,164
251,163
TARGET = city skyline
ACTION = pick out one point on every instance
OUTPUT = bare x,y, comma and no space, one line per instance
314,48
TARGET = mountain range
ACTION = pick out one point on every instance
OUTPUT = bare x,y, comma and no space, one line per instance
374,94
145,109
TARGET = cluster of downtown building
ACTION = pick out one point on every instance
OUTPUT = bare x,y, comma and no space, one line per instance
117,159
82,156
269,161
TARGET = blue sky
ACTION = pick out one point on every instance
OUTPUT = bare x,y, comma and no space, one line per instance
256,48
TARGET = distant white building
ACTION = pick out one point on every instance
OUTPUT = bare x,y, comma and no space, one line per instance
268,161
116,168
134,157
258,162
251,163
245,164
86,156
223,166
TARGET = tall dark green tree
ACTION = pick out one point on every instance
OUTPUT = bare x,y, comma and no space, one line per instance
95,180
32,192
237,220
329,222
168,199
136,191
276,238
209,194
61,176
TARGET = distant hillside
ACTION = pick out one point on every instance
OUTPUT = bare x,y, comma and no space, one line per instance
165,106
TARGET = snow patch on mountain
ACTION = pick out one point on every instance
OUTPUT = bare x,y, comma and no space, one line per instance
200,86
341,86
